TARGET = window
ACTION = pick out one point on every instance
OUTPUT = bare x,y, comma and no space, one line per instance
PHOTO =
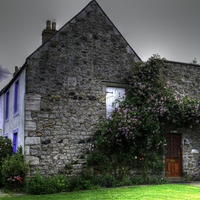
112,94
15,136
16,97
7,107
6,135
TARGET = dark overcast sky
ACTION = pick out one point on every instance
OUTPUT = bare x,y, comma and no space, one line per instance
167,27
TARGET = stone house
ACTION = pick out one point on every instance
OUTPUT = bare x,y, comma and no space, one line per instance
53,104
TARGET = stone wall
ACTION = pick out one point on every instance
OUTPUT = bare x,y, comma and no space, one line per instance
66,89
190,153
184,80
190,147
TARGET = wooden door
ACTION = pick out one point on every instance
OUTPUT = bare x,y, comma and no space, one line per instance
173,157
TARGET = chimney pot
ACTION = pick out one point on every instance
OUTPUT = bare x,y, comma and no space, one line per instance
16,70
48,24
54,24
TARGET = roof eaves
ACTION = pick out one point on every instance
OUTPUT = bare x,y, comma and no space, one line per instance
12,80
182,63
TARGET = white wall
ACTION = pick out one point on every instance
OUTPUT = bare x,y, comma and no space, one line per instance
1,114
16,122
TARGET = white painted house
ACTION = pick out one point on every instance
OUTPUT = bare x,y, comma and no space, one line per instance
12,110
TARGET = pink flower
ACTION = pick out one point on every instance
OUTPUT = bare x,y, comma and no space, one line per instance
125,111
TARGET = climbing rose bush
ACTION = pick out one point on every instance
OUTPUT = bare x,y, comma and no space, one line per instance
133,137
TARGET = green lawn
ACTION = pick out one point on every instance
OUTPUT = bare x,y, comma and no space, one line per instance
158,192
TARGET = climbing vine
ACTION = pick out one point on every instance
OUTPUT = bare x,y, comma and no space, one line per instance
133,137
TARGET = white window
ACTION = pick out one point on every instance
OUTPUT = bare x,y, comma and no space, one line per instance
112,94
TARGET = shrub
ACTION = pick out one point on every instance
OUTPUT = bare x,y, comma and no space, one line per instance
108,181
46,185
83,181
38,185
14,170
139,180
35,184
5,150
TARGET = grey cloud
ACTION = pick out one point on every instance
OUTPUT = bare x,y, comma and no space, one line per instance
4,73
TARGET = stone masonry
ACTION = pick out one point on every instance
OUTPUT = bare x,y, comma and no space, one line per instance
66,80
184,80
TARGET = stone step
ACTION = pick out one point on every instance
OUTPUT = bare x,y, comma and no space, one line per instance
175,179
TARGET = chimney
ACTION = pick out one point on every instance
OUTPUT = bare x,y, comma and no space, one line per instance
49,31
54,24
16,70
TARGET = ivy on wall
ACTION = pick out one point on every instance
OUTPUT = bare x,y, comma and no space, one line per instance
134,137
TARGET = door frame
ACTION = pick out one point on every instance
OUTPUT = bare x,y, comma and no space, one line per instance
179,155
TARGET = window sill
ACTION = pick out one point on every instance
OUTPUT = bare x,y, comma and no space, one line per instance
16,114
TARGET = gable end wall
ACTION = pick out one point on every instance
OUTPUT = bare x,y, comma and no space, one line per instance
66,90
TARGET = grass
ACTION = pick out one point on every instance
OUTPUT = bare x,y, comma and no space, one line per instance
153,192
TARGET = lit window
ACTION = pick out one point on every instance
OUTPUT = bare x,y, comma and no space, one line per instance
113,94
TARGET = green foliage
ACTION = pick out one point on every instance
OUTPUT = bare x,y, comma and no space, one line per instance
35,184
108,181
43,185
139,180
14,170
5,150
61,183
83,181
133,137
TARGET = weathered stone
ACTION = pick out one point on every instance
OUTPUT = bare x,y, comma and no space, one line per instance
30,126
32,102
32,160
32,140
28,115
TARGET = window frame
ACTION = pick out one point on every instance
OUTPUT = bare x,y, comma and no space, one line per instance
5,135
118,88
16,98
7,98
14,141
